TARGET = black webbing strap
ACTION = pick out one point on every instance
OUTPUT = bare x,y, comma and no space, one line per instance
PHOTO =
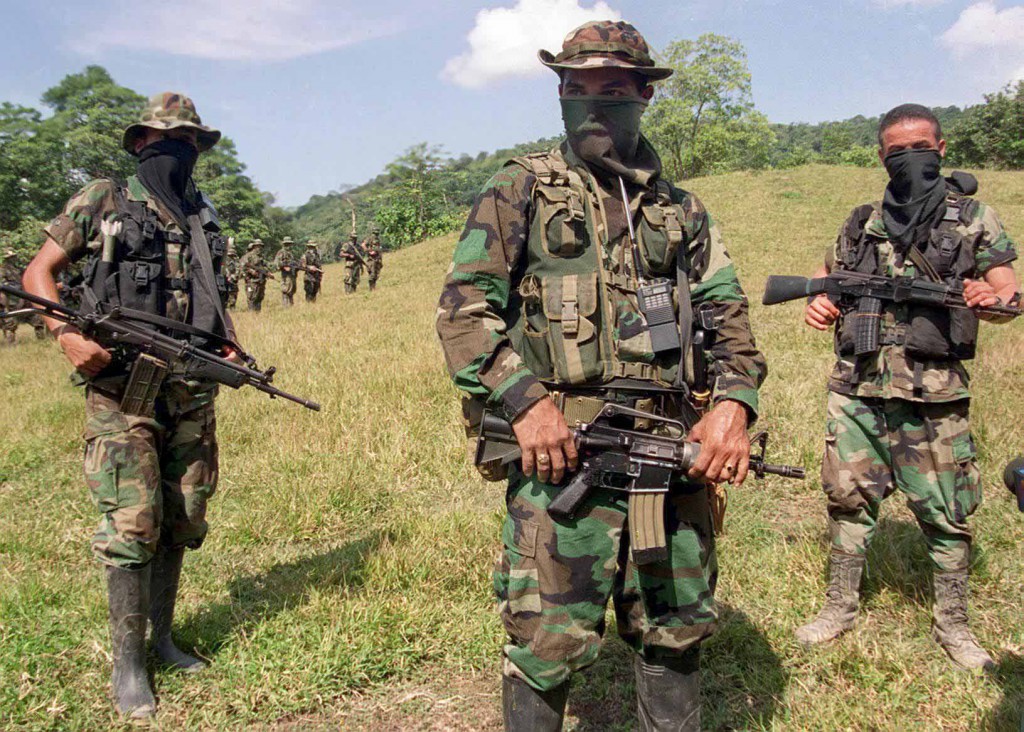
685,374
207,309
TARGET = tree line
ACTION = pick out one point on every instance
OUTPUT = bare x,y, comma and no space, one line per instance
703,121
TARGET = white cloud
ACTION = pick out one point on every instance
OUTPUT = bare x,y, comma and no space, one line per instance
243,30
504,41
984,34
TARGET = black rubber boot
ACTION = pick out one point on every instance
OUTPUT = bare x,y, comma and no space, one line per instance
164,592
128,593
668,693
525,709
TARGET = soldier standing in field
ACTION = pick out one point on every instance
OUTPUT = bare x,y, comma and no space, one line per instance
231,275
898,417
255,272
354,258
284,263
10,273
539,310
374,258
312,267
151,465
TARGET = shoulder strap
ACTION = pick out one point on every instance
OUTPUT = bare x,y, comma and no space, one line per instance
207,308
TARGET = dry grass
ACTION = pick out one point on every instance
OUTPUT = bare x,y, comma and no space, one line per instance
345,582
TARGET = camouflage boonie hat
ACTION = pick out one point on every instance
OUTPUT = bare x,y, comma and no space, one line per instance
286,240
311,243
255,243
605,43
168,111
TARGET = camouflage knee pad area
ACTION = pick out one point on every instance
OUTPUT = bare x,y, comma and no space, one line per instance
553,581
149,478
874,446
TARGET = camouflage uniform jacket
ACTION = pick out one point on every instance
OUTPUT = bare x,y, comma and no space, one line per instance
889,373
10,274
76,230
311,259
284,259
489,287
253,267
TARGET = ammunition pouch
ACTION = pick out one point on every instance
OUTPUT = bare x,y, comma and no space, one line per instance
143,386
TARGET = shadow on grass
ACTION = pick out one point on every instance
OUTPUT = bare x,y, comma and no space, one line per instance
1009,713
742,681
259,597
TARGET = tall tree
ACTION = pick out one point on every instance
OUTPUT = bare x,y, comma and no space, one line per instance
991,134
704,105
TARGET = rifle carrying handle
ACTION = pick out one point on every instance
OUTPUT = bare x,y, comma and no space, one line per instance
570,498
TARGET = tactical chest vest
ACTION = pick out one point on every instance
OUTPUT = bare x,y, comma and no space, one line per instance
927,333
574,318
147,268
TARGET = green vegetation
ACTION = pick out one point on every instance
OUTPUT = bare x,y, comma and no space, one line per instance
345,581
45,159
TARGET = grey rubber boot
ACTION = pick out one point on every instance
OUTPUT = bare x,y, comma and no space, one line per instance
525,709
668,693
841,599
128,593
949,622
164,592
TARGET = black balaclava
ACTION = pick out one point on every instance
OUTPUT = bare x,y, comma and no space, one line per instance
604,131
915,196
165,168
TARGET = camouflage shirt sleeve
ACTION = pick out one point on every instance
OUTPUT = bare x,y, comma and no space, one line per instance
994,247
470,319
78,225
737,367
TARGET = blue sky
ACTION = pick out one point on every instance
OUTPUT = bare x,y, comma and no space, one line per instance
319,93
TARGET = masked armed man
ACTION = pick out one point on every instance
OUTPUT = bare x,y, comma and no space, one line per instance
151,465
540,310
255,272
374,258
354,258
312,266
284,263
898,417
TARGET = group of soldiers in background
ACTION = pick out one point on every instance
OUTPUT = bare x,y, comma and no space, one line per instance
253,268
356,256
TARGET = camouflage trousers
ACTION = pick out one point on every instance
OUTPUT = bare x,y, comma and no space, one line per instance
553,581
352,274
874,446
289,283
150,478
254,292
311,285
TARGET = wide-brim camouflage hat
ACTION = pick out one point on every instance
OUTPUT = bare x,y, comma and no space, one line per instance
169,111
311,243
255,243
601,44
287,240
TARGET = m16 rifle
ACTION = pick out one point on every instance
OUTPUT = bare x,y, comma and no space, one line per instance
639,463
868,292
134,331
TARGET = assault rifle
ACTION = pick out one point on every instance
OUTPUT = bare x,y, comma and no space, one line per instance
119,328
642,464
869,292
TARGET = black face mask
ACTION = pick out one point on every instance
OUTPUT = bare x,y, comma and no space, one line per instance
165,168
915,196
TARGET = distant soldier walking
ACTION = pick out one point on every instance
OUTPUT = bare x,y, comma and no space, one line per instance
374,258
231,276
255,272
284,263
898,412
312,266
10,273
150,433
355,259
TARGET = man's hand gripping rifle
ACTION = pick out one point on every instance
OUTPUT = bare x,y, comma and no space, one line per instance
642,464
116,328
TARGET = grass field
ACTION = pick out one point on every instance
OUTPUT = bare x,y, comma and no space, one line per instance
346,579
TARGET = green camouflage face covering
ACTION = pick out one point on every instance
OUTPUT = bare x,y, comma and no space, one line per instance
605,131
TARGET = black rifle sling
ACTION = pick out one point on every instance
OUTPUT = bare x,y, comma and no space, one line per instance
207,308
685,375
